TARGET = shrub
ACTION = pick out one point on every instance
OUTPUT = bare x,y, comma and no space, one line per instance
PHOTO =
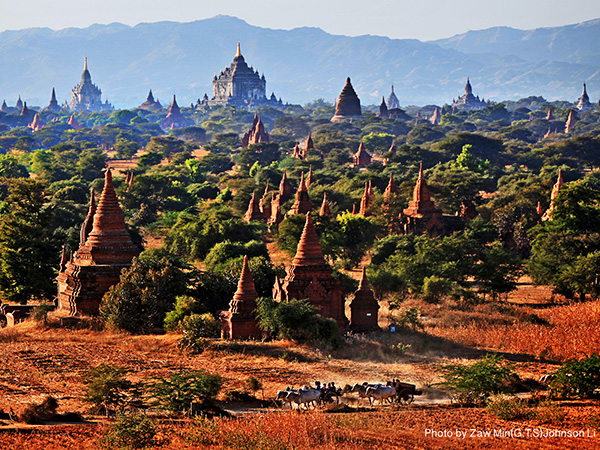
476,382
411,317
144,295
107,389
254,384
509,408
196,328
577,378
184,306
35,414
40,313
548,412
296,319
183,391
132,431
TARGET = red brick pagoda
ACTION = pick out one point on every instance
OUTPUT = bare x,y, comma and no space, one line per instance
364,308
239,322
310,277
105,249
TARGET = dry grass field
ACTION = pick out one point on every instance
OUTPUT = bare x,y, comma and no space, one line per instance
37,361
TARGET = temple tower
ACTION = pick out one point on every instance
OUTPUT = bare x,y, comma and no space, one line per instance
174,117
392,101
421,214
53,105
86,95
361,158
97,264
254,213
302,204
570,122
310,277
583,102
347,105
325,209
555,189
239,322
364,308
151,104
383,110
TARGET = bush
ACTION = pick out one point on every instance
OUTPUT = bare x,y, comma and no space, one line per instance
296,319
509,408
130,431
577,378
144,295
184,306
411,317
476,382
196,328
183,391
107,389
35,414
40,313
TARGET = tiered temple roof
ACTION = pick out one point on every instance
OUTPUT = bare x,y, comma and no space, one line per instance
86,95
325,209
555,189
392,101
391,189
468,101
383,109
364,308
53,105
302,204
239,322
570,122
310,277
174,117
98,262
347,105
583,102
151,104
240,85
361,158
256,133
254,213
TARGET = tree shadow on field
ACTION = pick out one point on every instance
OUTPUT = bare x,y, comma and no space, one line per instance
271,350
416,346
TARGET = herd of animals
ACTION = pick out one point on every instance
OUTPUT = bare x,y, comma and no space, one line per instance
322,394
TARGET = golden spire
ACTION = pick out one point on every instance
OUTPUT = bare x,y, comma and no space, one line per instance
85,64
239,52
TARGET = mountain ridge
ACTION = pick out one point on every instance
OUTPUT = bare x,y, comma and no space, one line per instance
300,65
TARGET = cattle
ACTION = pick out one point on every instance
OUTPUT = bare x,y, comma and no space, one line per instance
381,393
362,390
304,397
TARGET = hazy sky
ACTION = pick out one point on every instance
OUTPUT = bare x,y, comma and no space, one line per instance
419,19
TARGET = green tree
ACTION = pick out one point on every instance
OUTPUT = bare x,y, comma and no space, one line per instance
28,251
144,295
182,391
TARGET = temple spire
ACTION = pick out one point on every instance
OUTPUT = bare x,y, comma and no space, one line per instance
85,64
309,248
239,51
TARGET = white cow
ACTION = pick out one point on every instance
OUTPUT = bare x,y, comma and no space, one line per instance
381,393
304,397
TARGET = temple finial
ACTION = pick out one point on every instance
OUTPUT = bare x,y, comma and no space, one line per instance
239,52
85,64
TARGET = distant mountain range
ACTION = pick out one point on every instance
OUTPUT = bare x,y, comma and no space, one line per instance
300,65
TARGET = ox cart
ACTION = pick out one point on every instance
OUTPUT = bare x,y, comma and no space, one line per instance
405,392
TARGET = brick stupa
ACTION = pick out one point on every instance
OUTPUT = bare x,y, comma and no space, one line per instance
361,158
239,322
325,209
254,213
105,250
302,204
256,133
310,277
347,105
391,189
364,308
422,214
174,117
555,189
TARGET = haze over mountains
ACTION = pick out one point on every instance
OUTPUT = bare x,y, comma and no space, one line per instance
300,65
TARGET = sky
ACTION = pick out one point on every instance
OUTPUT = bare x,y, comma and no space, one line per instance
413,19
